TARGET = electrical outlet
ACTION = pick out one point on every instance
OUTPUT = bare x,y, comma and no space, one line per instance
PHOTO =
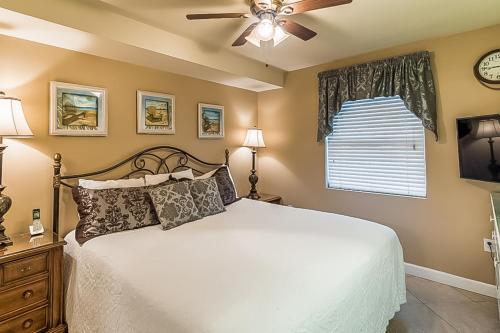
487,247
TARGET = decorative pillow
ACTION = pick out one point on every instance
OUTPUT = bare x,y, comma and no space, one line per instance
206,196
119,183
107,211
226,186
207,175
160,178
174,205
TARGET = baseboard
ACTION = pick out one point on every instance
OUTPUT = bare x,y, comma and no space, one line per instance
452,280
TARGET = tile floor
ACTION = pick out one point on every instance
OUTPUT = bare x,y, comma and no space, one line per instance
434,308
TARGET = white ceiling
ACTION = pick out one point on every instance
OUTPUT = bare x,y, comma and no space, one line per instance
156,33
343,31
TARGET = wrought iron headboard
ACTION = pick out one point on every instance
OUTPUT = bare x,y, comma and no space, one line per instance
154,160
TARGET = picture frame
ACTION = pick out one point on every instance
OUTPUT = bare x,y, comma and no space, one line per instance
77,110
210,121
155,113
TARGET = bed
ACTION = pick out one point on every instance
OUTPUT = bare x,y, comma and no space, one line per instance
257,267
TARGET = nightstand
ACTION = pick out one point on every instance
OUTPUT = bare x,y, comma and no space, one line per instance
271,198
31,284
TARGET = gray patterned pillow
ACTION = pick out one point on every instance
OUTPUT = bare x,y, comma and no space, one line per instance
206,196
174,205
107,211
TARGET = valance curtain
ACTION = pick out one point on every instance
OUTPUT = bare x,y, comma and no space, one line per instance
408,76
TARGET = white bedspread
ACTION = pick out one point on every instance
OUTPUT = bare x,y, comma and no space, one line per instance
257,268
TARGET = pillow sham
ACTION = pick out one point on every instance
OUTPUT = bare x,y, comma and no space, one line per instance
174,204
225,184
106,211
206,196
160,178
207,175
106,184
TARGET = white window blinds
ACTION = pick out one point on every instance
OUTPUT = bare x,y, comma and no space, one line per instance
377,145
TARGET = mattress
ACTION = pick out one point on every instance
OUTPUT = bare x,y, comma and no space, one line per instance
256,268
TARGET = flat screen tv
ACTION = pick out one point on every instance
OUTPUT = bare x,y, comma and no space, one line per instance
479,147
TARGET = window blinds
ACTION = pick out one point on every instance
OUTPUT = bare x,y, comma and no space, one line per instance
377,145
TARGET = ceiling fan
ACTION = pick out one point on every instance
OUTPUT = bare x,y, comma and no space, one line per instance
273,23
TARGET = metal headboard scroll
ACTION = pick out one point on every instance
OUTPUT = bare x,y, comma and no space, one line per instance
154,160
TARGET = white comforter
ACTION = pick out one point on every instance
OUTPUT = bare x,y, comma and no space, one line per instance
257,268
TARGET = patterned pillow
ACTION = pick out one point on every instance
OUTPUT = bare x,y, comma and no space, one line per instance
226,186
206,196
106,211
174,205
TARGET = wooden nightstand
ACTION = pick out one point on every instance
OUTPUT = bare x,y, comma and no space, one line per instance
31,284
271,198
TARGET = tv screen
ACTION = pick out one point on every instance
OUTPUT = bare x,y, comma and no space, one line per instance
479,147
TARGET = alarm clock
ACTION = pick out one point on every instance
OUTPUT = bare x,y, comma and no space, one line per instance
487,69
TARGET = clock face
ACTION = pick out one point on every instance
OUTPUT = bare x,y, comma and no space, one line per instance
488,67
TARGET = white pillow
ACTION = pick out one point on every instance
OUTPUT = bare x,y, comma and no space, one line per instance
162,177
211,173
207,175
106,184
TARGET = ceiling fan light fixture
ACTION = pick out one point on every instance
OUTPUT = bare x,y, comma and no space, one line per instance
264,4
279,35
265,30
253,38
287,10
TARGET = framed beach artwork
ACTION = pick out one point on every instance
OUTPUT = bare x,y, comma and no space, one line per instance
210,121
155,113
77,110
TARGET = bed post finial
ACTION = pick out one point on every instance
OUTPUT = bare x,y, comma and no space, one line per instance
226,152
56,183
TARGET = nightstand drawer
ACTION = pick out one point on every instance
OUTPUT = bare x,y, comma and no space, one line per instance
22,296
22,268
33,321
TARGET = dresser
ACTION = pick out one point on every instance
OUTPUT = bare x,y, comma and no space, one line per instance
495,219
31,284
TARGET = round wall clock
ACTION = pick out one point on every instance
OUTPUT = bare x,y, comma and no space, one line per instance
487,69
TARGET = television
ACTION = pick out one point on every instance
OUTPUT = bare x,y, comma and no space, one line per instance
479,147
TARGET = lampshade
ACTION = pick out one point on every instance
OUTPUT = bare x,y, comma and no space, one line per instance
12,120
279,35
488,128
254,138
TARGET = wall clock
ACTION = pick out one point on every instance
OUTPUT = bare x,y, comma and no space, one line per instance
487,69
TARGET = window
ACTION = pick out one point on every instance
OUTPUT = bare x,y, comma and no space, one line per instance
378,146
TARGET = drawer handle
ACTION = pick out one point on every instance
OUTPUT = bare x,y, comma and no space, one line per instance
28,294
27,323
25,269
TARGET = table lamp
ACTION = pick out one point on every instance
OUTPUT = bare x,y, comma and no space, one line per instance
12,124
254,140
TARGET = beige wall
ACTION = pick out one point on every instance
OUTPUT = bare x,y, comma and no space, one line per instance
444,231
26,69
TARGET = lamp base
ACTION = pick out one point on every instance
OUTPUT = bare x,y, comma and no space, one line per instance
253,179
253,196
5,203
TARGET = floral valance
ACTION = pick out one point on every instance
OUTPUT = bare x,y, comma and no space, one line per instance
408,76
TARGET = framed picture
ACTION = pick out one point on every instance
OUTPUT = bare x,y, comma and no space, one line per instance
155,113
77,110
210,121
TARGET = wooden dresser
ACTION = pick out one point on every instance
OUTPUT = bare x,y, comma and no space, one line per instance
495,219
31,285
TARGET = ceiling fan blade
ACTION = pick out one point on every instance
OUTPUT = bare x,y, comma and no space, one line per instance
308,5
297,29
216,16
241,39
